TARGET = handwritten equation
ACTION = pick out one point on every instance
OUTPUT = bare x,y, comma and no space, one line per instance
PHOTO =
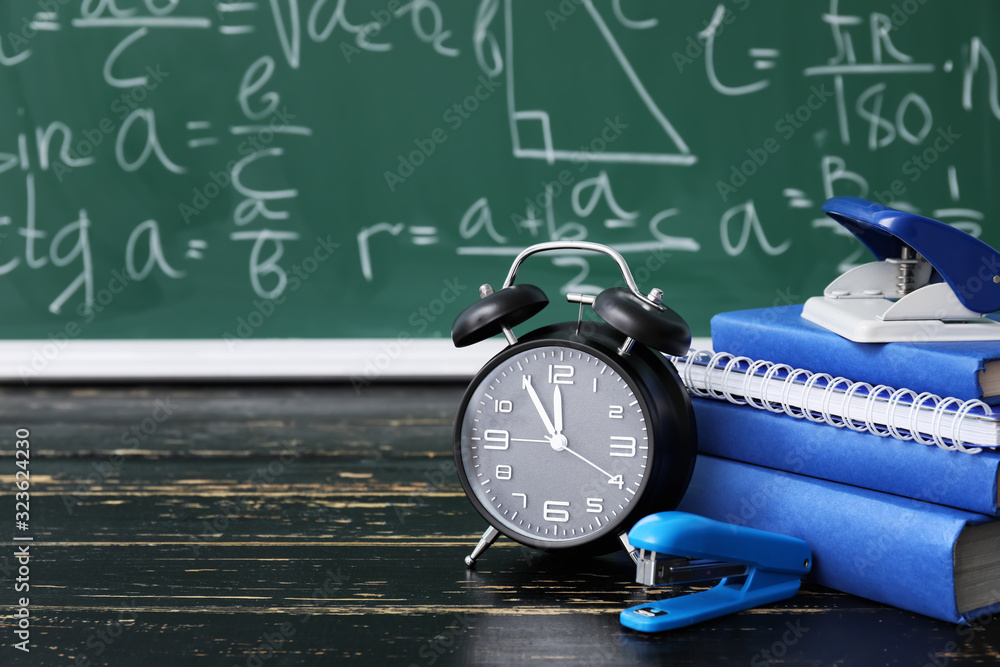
864,96
853,79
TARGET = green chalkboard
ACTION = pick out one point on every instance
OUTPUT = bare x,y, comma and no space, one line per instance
176,169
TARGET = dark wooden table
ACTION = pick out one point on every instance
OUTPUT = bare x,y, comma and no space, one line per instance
286,525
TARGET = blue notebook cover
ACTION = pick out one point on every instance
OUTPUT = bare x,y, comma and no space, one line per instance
904,468
886,548
781,335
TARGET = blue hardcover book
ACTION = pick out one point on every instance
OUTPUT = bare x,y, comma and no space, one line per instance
964,370
905,468
926,558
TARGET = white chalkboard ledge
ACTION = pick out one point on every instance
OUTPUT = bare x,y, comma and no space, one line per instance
360,361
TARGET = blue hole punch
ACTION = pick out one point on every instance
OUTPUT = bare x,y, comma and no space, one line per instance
932,281
756,568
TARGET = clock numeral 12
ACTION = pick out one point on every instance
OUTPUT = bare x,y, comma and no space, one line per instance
560,374
551,511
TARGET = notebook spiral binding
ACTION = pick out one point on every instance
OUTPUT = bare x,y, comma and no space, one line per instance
896,400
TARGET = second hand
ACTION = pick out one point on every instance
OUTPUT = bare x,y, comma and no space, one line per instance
588,462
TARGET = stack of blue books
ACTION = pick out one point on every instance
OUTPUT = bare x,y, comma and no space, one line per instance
891,477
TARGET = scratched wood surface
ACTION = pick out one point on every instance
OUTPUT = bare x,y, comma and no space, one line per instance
289,525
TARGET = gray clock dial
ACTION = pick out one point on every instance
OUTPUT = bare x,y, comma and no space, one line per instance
554,444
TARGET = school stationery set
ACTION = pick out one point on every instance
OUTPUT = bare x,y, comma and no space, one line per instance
880,455
763,463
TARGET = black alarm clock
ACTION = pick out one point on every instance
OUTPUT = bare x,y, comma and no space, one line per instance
574,431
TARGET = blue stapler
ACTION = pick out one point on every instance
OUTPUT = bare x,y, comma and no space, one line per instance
933,282
756,567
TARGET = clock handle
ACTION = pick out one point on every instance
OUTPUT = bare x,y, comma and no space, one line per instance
488,538
579,245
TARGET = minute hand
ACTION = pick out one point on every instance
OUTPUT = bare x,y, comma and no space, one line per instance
526,384
557,411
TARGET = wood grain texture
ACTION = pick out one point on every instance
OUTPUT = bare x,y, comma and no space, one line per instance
288,525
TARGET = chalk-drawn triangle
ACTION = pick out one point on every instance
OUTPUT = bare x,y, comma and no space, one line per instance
549,148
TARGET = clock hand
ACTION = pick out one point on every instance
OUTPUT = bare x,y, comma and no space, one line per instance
526,384
585,460
557,411
558,440
559,443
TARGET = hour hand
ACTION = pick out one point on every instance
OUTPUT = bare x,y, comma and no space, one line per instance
526,384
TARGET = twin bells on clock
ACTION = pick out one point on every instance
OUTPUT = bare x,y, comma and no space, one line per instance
641,318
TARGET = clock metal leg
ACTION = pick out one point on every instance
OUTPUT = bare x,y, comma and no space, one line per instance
488,538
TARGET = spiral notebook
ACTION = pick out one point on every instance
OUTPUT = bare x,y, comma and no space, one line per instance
926,418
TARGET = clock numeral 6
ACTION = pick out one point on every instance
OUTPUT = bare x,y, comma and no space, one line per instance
624,446
499,438
504,471
616,412
560,374
502,405
595,505
551,511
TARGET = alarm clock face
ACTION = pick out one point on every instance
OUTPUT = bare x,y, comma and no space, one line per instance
554,444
